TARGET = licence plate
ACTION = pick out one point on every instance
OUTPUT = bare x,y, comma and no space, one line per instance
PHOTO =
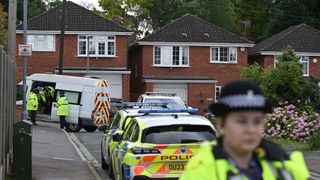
175,167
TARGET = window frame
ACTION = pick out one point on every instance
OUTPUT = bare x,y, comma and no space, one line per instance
219,55
181,50
34,49
97,40
215,93
305,59
57,93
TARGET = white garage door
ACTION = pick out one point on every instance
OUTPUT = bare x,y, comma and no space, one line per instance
115,83
180,89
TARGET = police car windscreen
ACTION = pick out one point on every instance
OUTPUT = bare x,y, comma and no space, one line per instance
178,134
172,103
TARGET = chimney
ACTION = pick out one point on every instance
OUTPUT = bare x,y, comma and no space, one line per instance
117,19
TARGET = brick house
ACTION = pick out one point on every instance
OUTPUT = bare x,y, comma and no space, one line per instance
190,57
107,47
303,38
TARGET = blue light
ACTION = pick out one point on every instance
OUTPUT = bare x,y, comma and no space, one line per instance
147,111
127,104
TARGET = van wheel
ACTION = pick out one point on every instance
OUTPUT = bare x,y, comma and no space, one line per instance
90,128
75,127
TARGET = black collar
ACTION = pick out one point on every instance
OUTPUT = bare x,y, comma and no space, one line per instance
267,150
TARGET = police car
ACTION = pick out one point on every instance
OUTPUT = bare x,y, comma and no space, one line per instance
173,100
158,144
119,121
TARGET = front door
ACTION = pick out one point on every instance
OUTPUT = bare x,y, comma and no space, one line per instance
74,106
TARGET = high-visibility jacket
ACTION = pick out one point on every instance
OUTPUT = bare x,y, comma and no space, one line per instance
63,106
42,95
49,92
32,103
213,163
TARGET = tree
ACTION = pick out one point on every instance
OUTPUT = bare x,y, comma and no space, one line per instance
3,27
149,15
286,13
283,83
35,7
252,18
53,3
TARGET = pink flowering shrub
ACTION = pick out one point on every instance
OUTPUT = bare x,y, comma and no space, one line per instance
287,122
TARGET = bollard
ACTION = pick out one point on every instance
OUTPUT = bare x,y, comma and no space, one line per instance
22,151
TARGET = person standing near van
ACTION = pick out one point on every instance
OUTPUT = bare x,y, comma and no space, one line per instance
32,105
49,94
63,111
241,153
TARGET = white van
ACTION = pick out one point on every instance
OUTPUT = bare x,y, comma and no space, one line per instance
88,99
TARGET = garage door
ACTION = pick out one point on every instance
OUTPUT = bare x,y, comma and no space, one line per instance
115,82
180,89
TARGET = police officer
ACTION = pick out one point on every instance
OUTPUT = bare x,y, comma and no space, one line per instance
32,105
241,153
49,95
63,111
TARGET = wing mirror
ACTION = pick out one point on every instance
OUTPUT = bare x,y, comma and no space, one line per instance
117,136
103,128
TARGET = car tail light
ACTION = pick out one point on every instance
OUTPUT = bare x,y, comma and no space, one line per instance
142,150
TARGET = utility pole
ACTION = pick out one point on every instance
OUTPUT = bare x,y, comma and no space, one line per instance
24,59
12,19
63,19
88,52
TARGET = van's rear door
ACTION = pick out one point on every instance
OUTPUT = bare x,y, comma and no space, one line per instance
73,94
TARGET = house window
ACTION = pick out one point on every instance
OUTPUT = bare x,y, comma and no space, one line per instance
157,55
111,45
223,55
171,56
305,65
42,42
175,55
218,92
99,46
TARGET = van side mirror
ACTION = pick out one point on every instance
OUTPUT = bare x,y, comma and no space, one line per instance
102,128
117,137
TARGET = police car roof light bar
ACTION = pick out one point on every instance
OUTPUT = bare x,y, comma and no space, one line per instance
148,111
143,104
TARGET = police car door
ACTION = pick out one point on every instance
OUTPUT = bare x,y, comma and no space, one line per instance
122,147
73,94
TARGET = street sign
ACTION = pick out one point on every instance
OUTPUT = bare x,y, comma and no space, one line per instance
25,50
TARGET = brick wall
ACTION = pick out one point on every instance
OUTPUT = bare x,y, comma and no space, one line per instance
199,61
200,95
264,61
41,62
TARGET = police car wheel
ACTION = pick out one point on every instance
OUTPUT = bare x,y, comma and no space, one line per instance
90,128
104,165
74,127
123,177
110,172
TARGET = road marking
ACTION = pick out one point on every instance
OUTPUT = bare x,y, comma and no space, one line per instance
63,159
41,131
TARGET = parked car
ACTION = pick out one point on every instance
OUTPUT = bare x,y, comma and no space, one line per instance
88,99
158,144
173,100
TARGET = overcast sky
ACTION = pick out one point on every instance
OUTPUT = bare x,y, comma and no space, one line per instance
91,3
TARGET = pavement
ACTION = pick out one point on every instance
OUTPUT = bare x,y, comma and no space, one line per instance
55,157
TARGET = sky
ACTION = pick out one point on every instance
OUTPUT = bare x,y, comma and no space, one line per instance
91,3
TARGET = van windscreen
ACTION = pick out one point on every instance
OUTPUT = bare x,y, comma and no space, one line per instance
178,134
